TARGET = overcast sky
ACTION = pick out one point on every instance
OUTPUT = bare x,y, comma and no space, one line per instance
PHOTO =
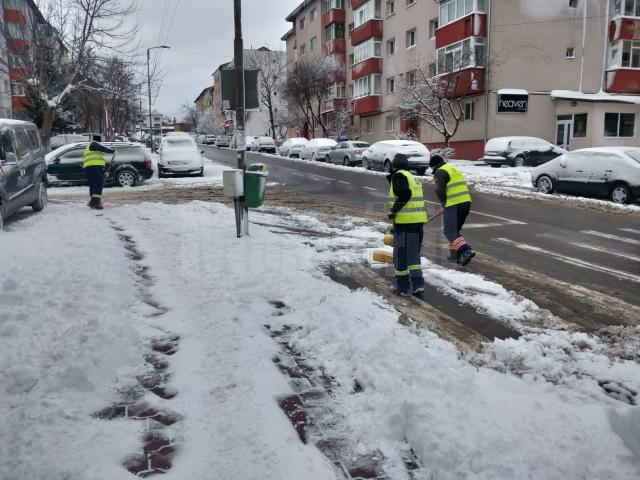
200,35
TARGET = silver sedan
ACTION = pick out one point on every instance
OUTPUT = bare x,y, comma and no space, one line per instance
347,153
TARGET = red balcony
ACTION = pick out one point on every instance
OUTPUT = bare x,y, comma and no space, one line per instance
370,29
473,25
624,29
334,104
17,45
17,73
366,105
333,16
623,81
337,47
465,82
14,16
20,102
367,67
356,4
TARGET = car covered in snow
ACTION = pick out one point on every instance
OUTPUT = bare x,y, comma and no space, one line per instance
379,156
223,141
180,156
23,171
130,165
292,147
519,152
209,140
264,144
612,172
249,142
317,149
347,153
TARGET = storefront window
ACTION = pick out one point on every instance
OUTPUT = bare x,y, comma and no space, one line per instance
619,124
580,125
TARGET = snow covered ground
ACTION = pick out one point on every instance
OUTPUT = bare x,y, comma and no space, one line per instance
89,295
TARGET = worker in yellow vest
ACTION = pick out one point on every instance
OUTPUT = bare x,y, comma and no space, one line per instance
95,163
453,193
408,214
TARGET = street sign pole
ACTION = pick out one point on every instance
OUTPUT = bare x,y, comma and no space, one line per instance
242,212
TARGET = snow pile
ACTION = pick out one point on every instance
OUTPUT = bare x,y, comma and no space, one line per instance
480,174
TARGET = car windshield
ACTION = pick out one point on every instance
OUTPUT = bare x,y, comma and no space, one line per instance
635,154
360,145
178,143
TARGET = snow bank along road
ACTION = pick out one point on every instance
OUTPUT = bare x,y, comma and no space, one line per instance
582,265
147,339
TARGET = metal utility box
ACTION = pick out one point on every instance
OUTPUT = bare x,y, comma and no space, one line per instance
255,179
233,181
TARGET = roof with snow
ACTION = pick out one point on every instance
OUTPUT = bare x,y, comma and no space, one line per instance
594,97
292,16
203,92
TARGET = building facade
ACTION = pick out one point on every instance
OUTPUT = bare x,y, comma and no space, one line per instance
204,101
567,71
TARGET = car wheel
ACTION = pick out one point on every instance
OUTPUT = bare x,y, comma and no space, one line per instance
327,159
620,193
518,162
387,166
126,178
544,184
365,163
346,162
43,198
421,171
495,165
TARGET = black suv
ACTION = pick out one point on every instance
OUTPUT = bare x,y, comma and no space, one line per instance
23,171
132,164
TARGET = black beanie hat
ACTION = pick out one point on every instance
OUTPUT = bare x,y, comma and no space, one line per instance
436,161
400,162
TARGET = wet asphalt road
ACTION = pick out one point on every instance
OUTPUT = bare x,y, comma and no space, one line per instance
595,250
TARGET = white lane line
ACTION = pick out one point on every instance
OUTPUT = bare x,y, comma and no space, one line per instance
343,182
632,241
595,248
508,220
321,177
371,188
482,225
622,275
630,230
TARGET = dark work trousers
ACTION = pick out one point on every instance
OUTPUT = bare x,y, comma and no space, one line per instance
407,242
453,220
95,175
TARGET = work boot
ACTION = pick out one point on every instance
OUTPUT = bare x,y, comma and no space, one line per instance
401,293
418,290
453,256
94,203
100,204
466,256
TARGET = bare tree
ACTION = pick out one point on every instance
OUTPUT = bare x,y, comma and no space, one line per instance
270,65
307,87
64,49
438,100
190,115
209,123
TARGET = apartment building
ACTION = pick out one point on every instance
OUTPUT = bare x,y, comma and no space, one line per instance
567,71
204,101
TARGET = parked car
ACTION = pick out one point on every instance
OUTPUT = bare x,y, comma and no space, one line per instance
209,140
519,151
612,172
130,166
248,141
58,141
180,156
317,149
292,147
23,171
347,153
265,144
380,155
223,141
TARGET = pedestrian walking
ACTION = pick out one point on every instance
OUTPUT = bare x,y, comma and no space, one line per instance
96,164
453,193
408,214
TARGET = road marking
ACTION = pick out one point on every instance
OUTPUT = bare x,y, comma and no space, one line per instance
632,241
343,182
371,188
508,220
630,230
313,175
482,225
615,253
571,260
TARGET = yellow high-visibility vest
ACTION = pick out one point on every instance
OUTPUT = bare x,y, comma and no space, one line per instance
414,211
457,189
93,159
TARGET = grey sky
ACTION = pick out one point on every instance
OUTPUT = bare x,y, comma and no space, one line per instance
204,28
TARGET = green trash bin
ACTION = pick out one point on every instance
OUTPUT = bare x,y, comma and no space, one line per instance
255,183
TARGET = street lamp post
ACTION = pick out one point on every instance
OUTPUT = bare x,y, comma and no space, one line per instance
149,87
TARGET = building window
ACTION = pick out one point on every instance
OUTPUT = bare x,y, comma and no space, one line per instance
432,70
391,8
351,59
313,43
303,49
410,2
619,124
335,31
368,11
411,78
369,49
366,86
580,125
433,26
391,85
411,38
312,15
302,23
465,54
573,3
570,53
328,5
391,46
469,111
367,125
631,54
390,123
452,10
337,90
627,8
